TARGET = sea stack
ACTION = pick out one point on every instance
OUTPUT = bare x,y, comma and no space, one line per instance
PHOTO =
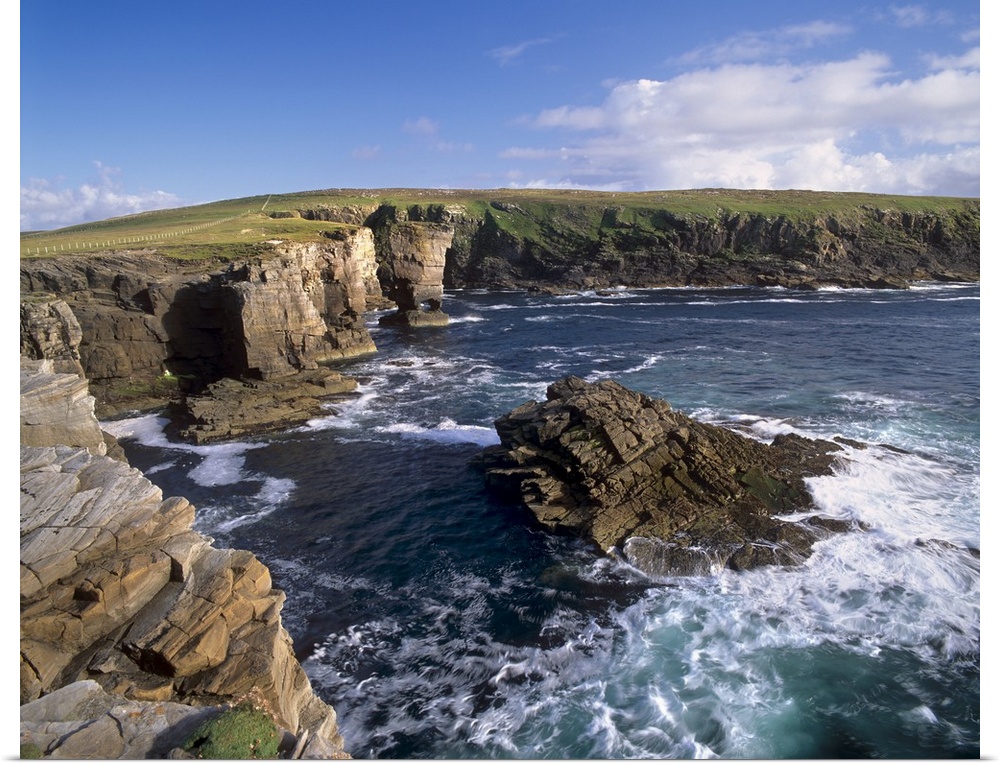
413,264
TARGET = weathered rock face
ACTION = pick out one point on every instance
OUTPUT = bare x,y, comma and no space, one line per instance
116,587
57,408
673,495
50,330
300,309
587,245
139,316
413,263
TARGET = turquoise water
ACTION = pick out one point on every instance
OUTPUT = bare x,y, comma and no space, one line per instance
441,623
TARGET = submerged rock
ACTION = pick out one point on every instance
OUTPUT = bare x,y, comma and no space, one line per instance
673,496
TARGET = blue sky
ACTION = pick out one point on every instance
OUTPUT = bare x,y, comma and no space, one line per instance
129,106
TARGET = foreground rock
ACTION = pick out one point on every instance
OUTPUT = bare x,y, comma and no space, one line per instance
673,496
117,588
83,721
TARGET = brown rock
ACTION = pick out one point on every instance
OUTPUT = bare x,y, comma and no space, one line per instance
671,494
117,588
414,261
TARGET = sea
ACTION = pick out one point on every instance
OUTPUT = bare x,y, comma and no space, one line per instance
440,622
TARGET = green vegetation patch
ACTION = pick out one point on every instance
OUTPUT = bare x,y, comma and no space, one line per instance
241,732
558,217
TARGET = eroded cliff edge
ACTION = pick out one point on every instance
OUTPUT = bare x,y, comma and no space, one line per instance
117,589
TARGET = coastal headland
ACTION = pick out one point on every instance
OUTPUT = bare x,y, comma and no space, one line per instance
235,317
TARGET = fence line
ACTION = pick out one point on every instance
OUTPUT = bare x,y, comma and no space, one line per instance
100,244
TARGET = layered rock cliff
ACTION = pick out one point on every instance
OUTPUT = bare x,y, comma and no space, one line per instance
671,495
145,328
117,588
411,266
579,246
272,310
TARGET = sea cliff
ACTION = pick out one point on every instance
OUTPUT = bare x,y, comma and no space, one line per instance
260,312
117,590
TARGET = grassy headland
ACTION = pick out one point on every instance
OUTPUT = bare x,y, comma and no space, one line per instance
232,228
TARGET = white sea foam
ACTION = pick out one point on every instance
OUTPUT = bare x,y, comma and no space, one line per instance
145,429
446,432
348,413
221,464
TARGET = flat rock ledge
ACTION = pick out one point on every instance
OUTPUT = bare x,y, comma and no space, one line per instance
232,409
670,495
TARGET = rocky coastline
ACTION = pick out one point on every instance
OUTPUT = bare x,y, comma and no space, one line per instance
129,615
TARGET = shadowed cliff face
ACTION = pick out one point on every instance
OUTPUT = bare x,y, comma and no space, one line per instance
585,247
139,316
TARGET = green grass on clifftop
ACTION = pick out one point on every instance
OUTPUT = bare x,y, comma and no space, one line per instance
233,228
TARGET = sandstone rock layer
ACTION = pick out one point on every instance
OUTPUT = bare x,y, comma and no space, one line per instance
117,588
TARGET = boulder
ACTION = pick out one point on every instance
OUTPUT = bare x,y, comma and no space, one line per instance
669,494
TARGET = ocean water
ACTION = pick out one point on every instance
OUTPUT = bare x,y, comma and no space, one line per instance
440,623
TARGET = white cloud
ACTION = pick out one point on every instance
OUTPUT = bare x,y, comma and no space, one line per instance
838,125
908,16
422,126
45,205
770,44
968,60
507,53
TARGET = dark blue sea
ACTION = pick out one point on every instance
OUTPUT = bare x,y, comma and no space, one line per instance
440,623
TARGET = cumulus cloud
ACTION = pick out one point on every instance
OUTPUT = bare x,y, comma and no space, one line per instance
841,125
46,205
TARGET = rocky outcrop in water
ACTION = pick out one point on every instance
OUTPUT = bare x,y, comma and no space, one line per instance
673,496
413,261
117,588
231,409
